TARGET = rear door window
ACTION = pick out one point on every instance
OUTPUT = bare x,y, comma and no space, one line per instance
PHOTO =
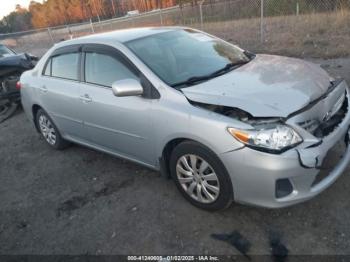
65,66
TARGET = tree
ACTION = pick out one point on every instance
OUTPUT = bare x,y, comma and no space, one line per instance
18,20
63,12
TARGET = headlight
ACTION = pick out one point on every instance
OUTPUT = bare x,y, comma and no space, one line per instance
273,138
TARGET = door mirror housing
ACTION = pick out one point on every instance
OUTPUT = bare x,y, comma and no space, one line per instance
127,87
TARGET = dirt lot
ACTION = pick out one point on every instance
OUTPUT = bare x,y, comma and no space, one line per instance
79,201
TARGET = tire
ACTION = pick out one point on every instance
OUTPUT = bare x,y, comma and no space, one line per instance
201,176
49,131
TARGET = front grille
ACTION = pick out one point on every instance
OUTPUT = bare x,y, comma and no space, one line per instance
323,128
310,125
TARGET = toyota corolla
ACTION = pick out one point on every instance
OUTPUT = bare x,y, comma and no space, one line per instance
226,124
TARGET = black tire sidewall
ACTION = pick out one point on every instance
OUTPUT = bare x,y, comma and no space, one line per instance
225,197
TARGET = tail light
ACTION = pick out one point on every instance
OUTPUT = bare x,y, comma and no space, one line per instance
18,85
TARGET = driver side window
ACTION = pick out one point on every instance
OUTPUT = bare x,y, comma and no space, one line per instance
102,69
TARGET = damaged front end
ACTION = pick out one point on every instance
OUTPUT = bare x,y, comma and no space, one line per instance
310,124
265,134
325,125
232,112
307,166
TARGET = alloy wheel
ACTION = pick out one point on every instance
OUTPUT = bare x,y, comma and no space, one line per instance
198,178
47,129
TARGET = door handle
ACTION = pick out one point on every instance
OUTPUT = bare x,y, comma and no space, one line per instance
85,98
43,89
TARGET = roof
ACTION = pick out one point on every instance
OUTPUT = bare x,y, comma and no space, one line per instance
124,35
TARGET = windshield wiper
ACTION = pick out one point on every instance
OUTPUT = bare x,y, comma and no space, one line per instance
191,81
227,68
196,79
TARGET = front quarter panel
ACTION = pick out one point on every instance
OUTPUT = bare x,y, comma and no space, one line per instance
176,118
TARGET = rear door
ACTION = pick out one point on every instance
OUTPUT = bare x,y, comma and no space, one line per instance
119,124
60,89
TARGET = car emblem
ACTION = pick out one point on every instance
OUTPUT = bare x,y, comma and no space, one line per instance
327,116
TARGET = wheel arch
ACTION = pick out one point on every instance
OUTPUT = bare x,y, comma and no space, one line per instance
209,154
35,109
166,153
168,149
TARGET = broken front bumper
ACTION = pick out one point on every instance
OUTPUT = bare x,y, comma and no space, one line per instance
257,176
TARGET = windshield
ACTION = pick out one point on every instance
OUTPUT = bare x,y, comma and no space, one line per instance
4,51
182,55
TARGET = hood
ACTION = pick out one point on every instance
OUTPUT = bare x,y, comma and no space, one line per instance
23,61
268,86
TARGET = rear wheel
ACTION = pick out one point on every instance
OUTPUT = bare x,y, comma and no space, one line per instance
49,131
200,176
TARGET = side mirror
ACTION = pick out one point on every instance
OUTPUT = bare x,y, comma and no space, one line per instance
127,87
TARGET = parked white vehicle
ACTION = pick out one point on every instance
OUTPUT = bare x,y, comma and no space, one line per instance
132,13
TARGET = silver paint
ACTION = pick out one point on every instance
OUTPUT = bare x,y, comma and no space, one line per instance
138,129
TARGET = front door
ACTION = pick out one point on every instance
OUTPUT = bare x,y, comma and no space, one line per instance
119,124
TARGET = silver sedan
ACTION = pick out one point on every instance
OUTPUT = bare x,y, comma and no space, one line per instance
224,123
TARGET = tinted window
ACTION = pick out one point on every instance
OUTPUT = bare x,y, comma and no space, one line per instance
47,71
182,54
65,66
103,69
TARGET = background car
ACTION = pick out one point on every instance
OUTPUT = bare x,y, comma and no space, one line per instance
12,65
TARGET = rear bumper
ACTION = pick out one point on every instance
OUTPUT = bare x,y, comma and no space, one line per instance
254,174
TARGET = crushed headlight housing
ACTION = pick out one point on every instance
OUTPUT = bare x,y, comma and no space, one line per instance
272,138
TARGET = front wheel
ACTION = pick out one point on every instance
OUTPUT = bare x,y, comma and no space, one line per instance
200,176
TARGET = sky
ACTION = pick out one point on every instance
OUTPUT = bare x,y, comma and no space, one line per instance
7,6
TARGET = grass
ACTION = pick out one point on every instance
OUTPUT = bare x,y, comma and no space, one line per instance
321,35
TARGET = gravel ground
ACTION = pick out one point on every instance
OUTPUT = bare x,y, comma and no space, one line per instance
79,201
